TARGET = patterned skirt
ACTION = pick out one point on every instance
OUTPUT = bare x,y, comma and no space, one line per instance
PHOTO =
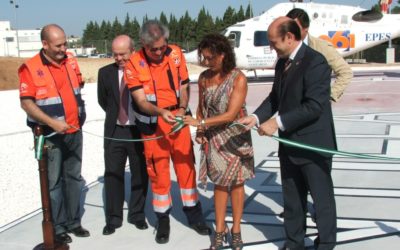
228,157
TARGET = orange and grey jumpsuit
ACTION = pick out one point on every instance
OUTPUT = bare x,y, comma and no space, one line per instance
161,84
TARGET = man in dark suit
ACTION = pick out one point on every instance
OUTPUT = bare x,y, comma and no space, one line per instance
300,96
114,98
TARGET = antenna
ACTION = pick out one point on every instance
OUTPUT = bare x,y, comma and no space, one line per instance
134,1
251,9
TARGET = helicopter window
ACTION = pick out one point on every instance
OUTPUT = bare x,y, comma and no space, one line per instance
260,38
315,15
234,38
343,19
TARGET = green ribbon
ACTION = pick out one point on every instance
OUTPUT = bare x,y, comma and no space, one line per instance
174,129
324,150
39,147
40,139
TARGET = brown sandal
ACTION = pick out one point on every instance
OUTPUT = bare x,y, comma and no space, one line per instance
219,239
237,243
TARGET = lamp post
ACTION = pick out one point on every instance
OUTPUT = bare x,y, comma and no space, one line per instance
390,12
16,6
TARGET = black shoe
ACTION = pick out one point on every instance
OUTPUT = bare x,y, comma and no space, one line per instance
79,232
163,230
63,238
140,224
289,248
201,228
108,229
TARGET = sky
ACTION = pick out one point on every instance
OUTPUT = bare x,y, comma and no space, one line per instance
74,15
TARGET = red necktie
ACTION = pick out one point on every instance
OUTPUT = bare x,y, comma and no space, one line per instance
123,103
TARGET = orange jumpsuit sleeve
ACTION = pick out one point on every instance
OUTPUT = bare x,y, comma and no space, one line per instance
183,71
131,77
26,87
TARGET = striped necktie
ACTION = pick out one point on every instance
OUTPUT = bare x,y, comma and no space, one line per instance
123,103
287,65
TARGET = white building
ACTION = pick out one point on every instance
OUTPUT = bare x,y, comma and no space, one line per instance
28,41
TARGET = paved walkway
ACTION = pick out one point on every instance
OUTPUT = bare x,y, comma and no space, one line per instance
367,191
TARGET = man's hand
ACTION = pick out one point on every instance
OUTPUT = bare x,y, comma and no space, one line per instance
180,112
59,126
249,121
268,128
34,111
168,116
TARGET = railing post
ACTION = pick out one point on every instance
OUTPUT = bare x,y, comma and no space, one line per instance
47,224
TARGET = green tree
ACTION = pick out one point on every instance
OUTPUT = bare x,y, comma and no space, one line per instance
396,9
240,15
173,29
219,24
105,31
229,17
145,18
128,26
116,28
135,32
89,32
163,19
188,29
205,24
249,11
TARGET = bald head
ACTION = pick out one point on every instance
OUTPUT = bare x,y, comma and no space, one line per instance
284,36
283,25
122,48
50,30
123,41
54,42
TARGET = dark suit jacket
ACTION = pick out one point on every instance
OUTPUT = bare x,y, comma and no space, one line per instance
108,97
303,104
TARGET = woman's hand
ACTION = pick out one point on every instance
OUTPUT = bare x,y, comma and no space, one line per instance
188,120
201,137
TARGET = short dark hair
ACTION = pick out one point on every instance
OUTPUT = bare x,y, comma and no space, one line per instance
219,44
300,15
289,26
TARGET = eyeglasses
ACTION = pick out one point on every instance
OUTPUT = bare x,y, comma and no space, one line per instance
208,58
154,50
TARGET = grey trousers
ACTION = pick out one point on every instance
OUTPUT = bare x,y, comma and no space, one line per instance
65,181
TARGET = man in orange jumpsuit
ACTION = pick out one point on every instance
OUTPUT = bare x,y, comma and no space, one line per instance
50,94
158,80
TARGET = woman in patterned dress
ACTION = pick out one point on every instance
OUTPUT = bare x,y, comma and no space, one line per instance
226,151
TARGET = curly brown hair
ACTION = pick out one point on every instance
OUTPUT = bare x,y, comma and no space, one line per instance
218,45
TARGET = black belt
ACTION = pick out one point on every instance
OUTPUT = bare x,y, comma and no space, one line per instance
172,108
125,126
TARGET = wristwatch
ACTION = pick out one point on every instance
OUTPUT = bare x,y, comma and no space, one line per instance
202,123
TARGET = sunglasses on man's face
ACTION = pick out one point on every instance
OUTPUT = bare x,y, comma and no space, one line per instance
154,50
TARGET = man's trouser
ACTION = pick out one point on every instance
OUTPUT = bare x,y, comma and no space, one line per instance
297,180
115,155
65,181
178,147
